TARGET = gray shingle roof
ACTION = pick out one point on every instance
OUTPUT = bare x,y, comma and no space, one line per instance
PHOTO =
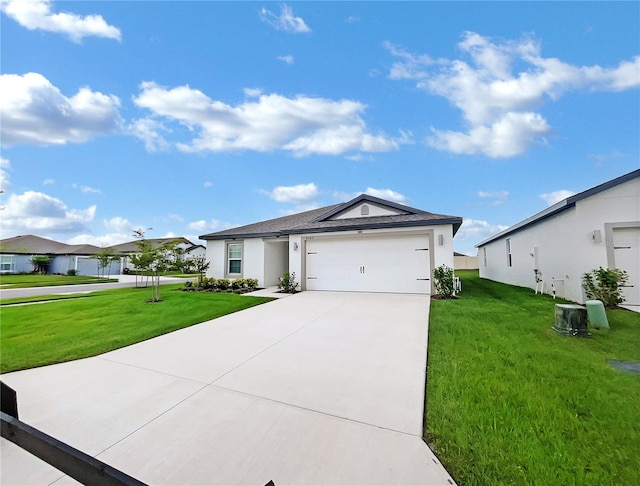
318,220
132,247
36,245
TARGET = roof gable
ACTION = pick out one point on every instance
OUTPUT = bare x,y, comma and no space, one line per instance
340,217
366,206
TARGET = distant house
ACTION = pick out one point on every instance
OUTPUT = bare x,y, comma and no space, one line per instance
366,244
16,253
186,247
554,248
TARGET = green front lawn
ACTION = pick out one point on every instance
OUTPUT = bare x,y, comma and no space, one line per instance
36,280
509,401
64,330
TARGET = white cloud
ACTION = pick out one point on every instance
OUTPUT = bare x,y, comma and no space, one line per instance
510,136
5,184
301,125
497,97
107,239
36,112
118,224
148,130
204,225
553,197
175,217
208,184
288,59
36,212
477,230
253,92
92,190
387,194
286,21
37,15
48,182
494,198
301,193
118,230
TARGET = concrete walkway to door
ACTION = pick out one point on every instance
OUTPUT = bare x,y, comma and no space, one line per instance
317,388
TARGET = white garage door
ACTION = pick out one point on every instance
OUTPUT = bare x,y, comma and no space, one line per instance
369,264
626,248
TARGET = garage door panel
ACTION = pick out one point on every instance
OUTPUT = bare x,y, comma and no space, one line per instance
369,264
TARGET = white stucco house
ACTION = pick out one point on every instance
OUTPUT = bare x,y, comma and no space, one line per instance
366,244
597,227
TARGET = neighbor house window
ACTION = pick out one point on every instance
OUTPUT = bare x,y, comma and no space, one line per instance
509,252
6,263
234,258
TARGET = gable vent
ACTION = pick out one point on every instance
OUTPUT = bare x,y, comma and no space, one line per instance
364,210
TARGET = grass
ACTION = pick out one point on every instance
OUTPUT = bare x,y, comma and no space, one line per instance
511,402
64,330
36,280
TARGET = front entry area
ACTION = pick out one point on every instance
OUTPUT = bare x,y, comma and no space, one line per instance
369,264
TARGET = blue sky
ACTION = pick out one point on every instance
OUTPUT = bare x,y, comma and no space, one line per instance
193,117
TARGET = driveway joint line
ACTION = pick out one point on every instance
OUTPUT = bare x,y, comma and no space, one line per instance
299,407
175,405
164,373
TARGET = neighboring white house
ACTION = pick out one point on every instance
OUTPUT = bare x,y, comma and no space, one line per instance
598,227
366,244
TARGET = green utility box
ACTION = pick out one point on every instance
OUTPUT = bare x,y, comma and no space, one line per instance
596,314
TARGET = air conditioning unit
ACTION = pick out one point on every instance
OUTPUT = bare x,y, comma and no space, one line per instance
571,320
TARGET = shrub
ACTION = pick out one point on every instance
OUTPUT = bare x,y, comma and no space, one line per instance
222,283
604,285
188,284
72,272
252,283
238,283
443,277
287,283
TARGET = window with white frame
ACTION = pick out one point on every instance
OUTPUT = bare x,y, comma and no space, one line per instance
6,263
509,261
234,258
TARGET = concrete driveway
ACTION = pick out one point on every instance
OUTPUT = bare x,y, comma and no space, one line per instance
316,388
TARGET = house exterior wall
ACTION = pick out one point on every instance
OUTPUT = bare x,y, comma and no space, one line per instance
62,264
372,211
276,261
562,247
216,258
196,252
19,263
253,259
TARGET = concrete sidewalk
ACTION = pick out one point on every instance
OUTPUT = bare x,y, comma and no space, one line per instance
316,388
123,281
